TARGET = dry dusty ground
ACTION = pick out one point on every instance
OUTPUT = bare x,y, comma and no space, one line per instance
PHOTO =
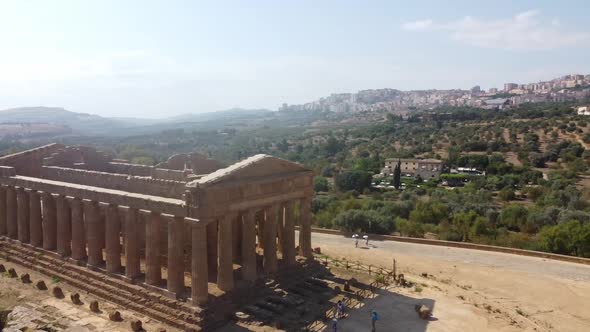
469,290
40,307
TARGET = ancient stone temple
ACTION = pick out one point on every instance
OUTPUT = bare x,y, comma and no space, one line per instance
176,226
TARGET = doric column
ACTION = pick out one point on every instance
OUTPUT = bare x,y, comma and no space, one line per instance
199,266
175,281
153,269
269,261
249,246
305,229
132,266
92,217
23,215
49,222
280,228
237,238
225,269
112,238
2,210
78,234
64,225
212,246
260,219
288,242
35,225
11,213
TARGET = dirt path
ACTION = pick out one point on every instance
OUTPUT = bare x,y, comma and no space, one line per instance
492,291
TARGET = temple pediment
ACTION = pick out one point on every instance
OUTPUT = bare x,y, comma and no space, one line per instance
258,166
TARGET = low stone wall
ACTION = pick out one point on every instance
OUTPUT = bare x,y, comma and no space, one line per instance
131,169
168,174
143,170
136,184
29,162
464,245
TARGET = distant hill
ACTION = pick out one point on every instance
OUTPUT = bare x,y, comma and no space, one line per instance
79,123
72,123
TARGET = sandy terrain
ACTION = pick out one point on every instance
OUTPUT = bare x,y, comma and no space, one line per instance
470,290
36,308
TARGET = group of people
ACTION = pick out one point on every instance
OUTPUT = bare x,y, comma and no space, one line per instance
340,314
356,240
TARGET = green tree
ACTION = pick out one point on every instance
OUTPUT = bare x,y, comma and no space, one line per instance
320,183
397,175
364,221
353,180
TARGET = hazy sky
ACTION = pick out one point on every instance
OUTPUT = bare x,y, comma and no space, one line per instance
158,58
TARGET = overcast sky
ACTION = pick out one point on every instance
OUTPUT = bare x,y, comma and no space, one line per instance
159,58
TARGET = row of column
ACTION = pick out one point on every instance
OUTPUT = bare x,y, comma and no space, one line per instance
76,229
232,239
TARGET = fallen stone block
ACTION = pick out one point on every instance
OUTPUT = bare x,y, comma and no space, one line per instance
136,325
317,250
25,278
2,268
12,273
40,285
57,292
94,306
75,298
115,316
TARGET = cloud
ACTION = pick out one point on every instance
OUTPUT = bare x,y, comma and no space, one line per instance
525,31
417,25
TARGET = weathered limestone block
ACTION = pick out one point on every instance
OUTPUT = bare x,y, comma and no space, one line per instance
25,278
136,325
40,285
115,316
57,292
76,299
12,273
94,306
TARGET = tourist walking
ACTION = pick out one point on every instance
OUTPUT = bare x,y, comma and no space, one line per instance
366,237
356,240
335,325
340,309
374,319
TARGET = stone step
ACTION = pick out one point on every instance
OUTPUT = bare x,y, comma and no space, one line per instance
133,301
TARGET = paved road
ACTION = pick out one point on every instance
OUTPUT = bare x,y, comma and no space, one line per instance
342,247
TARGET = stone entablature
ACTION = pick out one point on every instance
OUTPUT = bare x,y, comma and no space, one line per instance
131,183
154,172
219,221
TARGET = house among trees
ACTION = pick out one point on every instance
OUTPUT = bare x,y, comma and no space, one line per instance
425,168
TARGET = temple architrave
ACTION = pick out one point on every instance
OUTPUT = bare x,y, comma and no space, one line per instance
185,219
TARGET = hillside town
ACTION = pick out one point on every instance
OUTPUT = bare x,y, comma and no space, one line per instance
566,88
